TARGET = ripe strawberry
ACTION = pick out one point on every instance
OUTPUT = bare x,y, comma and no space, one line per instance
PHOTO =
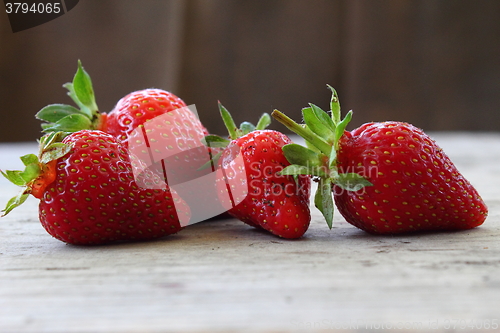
140,106
171,145
94,198
387,178
260,195
130,112
166,135
415,185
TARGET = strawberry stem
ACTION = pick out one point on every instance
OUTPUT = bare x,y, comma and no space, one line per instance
304,132
322,132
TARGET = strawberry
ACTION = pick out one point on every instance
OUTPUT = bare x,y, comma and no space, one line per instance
159,129
130,112
171,146
166,135
260,195
93,198
387,178
140,106
415,185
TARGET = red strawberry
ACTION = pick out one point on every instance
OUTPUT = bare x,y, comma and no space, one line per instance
166,135
171,145
140,106
130,112
387,177
94,198
261,196
415,185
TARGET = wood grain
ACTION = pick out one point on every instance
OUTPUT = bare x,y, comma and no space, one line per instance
223,276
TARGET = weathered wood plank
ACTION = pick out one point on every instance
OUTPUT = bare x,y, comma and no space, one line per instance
223,276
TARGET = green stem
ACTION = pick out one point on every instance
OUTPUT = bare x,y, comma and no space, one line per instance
304,132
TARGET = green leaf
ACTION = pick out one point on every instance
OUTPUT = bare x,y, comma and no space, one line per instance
232,129
297,154
50,138
30,172
332,160
71,123
71,93
46,126
294,169
14,176
323,116
323,200
15,202
82,85
351,181
215,141
303,131
339,131
54,151
312,147
317,125
246,127
264,121
54,112
334,105
29,159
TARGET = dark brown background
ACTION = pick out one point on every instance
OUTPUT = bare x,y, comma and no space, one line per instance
433,63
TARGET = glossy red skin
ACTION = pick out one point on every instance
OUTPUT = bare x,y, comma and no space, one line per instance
172,135
416,187
138,107
171,147
95,199
274,202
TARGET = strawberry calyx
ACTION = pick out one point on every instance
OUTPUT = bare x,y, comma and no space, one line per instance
245,127
67,118
234,132
39,171
322,132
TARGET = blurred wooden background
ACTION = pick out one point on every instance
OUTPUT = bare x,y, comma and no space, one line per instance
434,63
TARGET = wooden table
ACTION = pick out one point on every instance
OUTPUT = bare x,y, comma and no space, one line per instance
223,276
